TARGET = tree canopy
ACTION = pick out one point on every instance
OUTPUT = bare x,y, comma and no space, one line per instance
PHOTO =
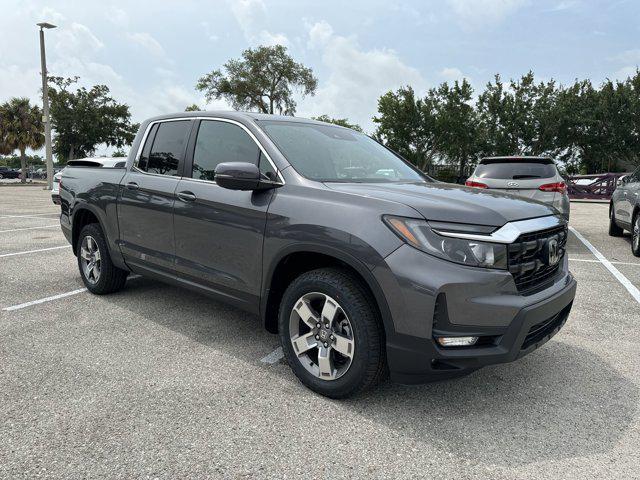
85,118
588,128
263,80
343,122
21,127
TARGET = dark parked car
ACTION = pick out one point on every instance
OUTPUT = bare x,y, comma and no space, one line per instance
624,210
362,264
6,172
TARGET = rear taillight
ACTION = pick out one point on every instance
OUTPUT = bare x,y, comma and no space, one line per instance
559,187
471,183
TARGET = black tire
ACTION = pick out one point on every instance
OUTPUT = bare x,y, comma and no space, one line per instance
368,364
635,235
111,278
614,229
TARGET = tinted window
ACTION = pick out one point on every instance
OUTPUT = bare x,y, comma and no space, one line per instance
513,170
337,154
220,142
167,149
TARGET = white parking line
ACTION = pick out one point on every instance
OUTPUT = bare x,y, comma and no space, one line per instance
52,298
273,357
44,300
598,261
28,228
31,215
33,251
635,293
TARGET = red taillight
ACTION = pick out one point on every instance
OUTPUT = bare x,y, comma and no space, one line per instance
559,187
470,183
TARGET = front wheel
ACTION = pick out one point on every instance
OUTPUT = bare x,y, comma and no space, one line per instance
635,236
614,229
331,333
98,272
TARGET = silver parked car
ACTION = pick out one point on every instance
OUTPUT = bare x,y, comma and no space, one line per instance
536,178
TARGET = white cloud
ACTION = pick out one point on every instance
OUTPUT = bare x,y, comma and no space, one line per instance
77,40
251,15
565,5
451,74
146,41
117,16
628,56
356,77
476,14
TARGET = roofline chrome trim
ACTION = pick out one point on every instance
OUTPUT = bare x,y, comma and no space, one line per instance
510,231
219,119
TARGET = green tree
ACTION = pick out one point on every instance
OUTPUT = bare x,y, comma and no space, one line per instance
343,122
406,125
21,127
85,118
192,108
456,132
262,80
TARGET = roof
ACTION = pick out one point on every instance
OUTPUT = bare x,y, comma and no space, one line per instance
235,115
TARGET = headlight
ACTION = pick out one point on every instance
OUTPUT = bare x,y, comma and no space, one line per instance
418,234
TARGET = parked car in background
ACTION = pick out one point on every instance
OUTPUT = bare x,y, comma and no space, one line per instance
110,162
6,172
360,262
535,178
624,210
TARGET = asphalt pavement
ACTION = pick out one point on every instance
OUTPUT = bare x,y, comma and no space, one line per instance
159,382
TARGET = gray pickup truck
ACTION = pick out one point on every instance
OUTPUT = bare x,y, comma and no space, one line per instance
362,264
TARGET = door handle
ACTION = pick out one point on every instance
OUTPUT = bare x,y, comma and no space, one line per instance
132,186
187,196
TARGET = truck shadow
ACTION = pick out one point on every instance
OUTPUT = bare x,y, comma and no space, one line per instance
561,401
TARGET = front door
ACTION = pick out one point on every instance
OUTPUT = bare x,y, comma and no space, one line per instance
147,197
219,232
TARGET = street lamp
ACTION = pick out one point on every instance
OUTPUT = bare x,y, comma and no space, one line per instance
45,106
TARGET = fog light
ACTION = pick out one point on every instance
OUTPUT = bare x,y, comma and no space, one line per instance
457,341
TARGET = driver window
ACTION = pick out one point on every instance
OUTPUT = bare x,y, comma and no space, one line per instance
219,142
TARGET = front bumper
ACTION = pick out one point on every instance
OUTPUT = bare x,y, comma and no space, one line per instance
478,302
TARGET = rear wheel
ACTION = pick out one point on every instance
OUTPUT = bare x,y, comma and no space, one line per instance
331,333
635,235
98,272
614,229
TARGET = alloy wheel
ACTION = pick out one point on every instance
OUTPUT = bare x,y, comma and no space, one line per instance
322,336
90,258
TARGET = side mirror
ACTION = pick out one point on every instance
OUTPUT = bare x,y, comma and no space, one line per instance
622,180
241,176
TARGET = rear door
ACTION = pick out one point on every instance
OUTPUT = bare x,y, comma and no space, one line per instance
219,232
147,197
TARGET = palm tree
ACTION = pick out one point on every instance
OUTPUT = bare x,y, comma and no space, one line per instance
21,127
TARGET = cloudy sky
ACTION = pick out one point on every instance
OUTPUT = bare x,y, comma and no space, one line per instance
150,53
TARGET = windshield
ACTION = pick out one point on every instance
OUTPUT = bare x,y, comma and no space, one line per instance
514,170
334,154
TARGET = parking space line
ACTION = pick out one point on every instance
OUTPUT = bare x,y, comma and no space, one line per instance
31,215
33,251
28,228
587,260
273,357
44,300
635,293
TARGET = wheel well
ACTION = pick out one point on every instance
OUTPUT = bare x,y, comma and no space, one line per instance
80,219
291,267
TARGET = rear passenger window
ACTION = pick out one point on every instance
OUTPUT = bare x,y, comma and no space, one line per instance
219,142
168,141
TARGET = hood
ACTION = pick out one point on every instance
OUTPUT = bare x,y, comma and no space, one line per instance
445,202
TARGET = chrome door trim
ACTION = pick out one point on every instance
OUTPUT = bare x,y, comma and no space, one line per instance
218,119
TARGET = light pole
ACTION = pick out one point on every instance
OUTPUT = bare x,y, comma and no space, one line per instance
45,106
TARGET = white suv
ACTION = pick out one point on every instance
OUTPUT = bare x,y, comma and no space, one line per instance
536,178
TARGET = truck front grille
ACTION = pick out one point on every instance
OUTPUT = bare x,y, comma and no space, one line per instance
540,330
530,261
